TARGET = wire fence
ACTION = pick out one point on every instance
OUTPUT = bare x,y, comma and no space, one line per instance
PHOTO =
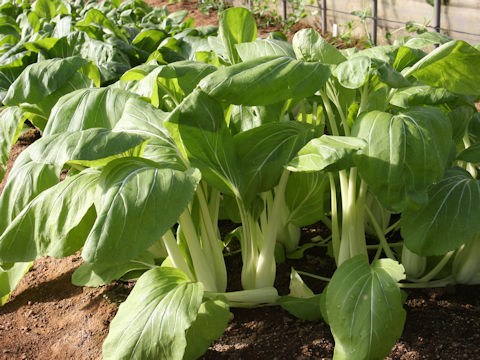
376,20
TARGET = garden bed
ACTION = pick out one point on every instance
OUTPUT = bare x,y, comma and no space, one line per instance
49,318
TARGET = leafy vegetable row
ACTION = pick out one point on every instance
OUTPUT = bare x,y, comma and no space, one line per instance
209,124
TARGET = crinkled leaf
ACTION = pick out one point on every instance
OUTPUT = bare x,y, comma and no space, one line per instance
151,323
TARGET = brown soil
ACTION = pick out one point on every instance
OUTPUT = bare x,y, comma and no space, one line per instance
48,318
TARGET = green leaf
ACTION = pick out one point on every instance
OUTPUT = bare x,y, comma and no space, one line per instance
301,302
353,73
406,153
26,180
448,220
143,119
265,150
93,275
199,129
151,323
136,203
96,17
11,124
452,66
41,79
237,25
284,77
309,45
210,324
48,9
329,153
10,277
87,108
264,47
364,307
419,95
91,147
470,154
149,39
55,223
305,197
427,39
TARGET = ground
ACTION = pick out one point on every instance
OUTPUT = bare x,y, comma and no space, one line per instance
48,318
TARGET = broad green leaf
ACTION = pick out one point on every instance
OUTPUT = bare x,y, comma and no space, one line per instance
151,323
448,220
364,307
419,95
149,39
329,153
26,180
237,25
143,119
210,324
460,117
11,123
110,59
427,39
243,118
10,277
41,79
93,275
470,154
302,308
54,223
406,153
91,147
284,77
48,9
96,17
354,72
265,150
198,127
264,47
171,82
87,108
309,45
301,302
452,66
305,197
136,203
406,57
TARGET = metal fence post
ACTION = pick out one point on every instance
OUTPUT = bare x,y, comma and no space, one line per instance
284,9
437,8
375,21
324,16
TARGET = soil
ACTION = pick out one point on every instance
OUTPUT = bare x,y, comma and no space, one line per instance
48,318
